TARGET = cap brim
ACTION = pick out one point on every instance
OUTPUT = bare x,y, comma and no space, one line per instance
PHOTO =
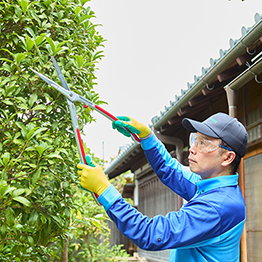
196,126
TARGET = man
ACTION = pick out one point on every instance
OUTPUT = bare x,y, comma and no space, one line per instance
209,226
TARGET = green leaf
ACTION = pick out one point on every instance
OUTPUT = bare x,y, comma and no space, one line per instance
45,232
30,133
39,39
23,128
14,249
96,223
83,2
19,58
5,113
35,131
47,3
21,99
4,175
19,141
32,3
8,102
20,125
10,89
33,217
22,200
6,158
18,12
3,230
17,227
98,55
51,43
35,16
85,18
29,43
77,10
18,192
40,150
67,212
54,156
39,107
36,176
32,99
3,187
10,216
58,220
24,5
48,109
30,241
9,190
30,31
79,60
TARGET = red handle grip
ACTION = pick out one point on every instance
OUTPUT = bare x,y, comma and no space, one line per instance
113,118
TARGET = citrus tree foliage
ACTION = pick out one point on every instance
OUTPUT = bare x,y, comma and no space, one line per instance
89,234
38,156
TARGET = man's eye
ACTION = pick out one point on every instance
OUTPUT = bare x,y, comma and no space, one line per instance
202,142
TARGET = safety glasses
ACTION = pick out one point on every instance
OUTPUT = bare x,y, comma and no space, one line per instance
204,145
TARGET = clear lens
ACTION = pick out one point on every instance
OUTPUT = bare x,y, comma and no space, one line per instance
202,144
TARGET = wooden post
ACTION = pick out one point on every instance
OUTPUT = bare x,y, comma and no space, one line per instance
243,241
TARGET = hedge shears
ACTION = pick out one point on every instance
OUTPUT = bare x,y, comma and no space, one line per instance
74,97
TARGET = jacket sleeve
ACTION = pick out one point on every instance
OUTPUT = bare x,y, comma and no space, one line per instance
177,177
177,229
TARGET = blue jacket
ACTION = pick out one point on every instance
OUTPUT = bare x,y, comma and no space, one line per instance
207,228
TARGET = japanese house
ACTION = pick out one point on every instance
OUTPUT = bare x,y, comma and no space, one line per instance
232,84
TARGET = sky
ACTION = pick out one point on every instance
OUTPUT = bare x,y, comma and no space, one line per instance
153,49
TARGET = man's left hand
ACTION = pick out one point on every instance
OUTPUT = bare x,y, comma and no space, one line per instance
93,178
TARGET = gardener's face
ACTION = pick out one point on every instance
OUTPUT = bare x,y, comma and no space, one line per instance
205,158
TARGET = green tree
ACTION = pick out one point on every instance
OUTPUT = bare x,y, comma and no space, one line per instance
90,234
38,179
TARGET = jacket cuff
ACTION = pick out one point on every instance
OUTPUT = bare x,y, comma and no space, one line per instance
149,142
109,197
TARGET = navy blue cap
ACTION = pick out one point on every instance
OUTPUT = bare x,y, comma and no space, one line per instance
222,126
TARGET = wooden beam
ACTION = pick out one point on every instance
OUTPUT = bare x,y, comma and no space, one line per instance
192,103
229,74
171,121
181,112
224,76
206,92
242,60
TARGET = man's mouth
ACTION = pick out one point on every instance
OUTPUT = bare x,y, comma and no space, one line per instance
191,160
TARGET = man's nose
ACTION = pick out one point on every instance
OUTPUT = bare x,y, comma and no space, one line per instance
192,149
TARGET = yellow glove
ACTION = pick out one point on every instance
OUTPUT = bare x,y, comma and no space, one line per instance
93,178
132,125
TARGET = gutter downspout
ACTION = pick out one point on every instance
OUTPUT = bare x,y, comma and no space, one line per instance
232,96
179,154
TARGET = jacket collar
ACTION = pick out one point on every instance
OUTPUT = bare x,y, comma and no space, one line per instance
220,181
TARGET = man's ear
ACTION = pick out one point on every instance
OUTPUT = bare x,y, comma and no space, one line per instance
227,158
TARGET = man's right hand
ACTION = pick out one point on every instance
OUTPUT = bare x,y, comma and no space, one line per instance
132,125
